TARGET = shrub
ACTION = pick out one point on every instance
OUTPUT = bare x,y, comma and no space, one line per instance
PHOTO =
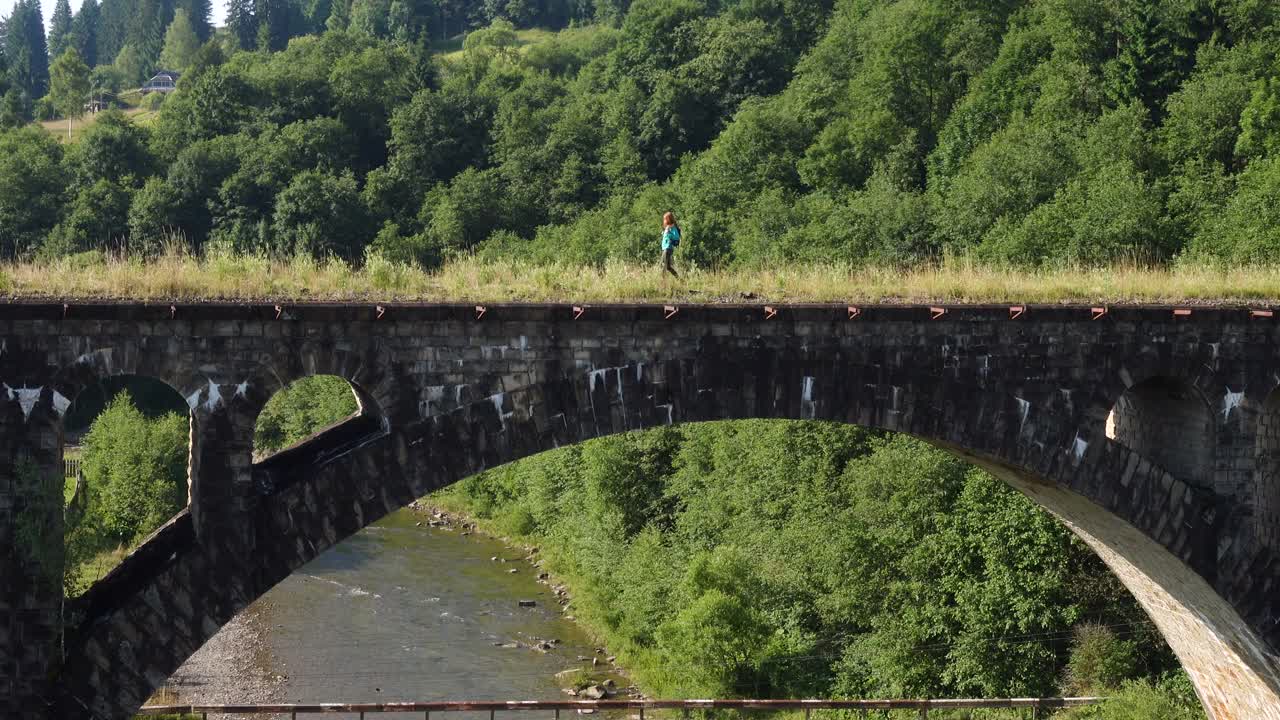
136,470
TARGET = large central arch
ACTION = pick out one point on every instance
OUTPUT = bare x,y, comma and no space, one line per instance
251,525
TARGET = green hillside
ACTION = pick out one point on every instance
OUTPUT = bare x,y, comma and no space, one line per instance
1051,134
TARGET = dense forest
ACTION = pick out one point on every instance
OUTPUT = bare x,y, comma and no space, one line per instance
802,559
1049,133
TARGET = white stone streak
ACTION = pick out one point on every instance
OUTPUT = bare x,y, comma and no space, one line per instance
498,401
1024,409
670,413
242,389
60,403
1230,401
596,375
26,397
808,409
214,398
1079,447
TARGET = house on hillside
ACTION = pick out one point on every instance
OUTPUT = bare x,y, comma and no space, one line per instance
164,81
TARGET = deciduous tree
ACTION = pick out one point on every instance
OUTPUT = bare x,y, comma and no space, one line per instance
181,43
69,86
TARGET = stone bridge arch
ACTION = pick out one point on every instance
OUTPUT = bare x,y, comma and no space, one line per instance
1154,530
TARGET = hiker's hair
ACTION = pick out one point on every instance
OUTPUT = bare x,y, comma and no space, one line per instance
670,220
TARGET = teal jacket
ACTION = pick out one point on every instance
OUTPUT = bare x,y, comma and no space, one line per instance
671,238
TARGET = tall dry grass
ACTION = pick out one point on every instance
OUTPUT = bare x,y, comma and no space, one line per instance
302,279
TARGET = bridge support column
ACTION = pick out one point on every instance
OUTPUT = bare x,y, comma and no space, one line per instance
224,501
31,554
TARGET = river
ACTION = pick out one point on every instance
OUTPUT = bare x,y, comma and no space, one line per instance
399,612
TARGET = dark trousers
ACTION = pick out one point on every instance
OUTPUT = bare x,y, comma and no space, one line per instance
667,255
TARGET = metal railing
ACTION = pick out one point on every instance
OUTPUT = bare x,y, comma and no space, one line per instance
922,705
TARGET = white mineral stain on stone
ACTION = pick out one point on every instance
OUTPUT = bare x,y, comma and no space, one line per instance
670,413
26,397
808,409
60,403
498,400
598,374
1230,401
1079,447
193,399
1024,409
242,389
215,396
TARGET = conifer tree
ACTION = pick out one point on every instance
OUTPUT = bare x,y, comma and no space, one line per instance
4,68
84,32
25,50
199,14
60,29
242,23
39,49
146,34
113,28
339,15
273,24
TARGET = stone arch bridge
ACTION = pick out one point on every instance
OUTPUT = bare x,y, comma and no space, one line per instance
1154,433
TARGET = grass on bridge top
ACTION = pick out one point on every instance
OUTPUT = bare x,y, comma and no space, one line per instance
303,279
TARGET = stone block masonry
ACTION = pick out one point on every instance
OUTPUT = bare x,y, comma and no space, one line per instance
1151,434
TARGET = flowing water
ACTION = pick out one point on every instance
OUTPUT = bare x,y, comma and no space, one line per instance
399,612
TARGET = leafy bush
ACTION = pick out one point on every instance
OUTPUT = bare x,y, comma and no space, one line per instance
1169,698
136,470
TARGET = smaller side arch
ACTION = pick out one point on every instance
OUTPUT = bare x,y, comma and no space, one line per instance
1169,421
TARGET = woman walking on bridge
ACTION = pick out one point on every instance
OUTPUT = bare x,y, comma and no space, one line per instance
670,241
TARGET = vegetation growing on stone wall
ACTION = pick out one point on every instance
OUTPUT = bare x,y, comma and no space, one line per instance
303,279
